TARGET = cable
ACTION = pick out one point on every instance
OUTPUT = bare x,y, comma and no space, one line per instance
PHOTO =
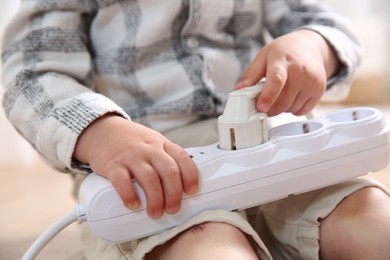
52,231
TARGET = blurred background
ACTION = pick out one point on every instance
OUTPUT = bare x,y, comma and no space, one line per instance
32,196
372,21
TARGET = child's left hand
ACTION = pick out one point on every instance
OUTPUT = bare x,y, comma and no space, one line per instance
296,67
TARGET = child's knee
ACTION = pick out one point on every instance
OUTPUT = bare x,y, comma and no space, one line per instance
360,222
211,240
363,203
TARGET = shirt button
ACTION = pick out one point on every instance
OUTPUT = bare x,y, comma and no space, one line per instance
192,42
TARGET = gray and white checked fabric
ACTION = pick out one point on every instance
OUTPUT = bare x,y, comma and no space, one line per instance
162,63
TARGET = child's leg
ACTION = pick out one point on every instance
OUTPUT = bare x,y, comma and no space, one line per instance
207,241
225,232
212,240
349,217
359,227
214,234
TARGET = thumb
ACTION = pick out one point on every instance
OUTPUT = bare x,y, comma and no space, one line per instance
254,73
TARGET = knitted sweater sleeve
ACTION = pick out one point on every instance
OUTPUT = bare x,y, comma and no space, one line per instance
283,16
47,75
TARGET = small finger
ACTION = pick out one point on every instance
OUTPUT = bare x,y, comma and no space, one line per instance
254,73
171,181
306,100
149,180
187,167
307,107
121,180
276,78
284,101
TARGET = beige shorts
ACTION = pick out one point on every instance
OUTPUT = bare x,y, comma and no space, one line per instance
284,229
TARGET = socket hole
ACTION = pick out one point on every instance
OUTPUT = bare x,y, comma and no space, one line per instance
233,145
297,128
355,115
196,153
350,115
306,128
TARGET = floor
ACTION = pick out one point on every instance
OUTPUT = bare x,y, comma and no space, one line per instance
32,199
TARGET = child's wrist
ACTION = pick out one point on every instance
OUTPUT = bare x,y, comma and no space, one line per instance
331,62
92,134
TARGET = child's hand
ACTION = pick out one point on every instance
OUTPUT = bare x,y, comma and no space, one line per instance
119,150
296,66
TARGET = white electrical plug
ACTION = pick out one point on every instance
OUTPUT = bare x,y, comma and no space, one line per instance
241,125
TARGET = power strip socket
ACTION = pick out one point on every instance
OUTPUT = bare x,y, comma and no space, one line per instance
298,157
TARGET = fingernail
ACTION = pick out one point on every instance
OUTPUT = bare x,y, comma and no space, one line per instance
133,205
155,214
239,85
173,209
263,107
193,190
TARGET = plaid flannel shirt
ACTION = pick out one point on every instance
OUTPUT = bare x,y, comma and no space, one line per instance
161,63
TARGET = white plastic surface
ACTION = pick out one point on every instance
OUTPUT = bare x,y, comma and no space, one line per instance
299,157
241,125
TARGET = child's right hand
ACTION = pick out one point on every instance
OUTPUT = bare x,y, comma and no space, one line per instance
120,150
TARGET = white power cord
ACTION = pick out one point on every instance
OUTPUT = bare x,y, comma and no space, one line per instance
52,231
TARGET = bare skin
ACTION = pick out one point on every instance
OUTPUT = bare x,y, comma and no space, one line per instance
358,228
206,241
119,150
297,66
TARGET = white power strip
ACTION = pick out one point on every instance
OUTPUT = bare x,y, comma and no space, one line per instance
298,157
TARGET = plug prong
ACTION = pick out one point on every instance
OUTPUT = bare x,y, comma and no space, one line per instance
233,139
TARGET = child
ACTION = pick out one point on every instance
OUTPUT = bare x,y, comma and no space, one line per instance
119,87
